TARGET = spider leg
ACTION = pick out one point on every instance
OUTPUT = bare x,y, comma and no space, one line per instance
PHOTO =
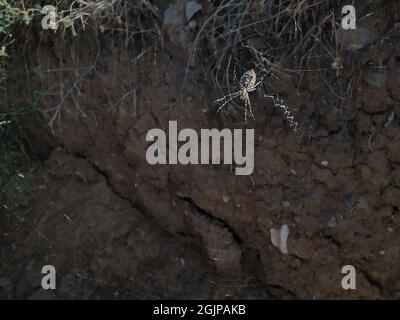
245,110
253,88
222,105
250,108
234,73
259,82
228,97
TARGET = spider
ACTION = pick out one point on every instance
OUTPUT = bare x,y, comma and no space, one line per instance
247,84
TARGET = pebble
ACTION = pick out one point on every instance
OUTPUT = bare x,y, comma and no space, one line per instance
332,222
286,203
192,25
324,163
279,238
192,8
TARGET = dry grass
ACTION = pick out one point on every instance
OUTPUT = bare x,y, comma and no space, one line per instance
122,25
268,36
280,29
239,35
283,40
133,20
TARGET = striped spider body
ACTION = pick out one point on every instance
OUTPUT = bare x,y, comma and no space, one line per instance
247,83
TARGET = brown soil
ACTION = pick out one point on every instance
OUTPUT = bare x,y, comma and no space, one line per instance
116,227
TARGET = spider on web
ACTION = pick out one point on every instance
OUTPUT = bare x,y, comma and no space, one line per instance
247,83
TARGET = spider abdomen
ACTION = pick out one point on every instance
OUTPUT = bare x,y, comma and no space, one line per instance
248,79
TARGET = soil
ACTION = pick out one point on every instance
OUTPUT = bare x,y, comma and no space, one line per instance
116,227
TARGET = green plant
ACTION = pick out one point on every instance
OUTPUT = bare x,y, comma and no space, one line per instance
12,12
15,164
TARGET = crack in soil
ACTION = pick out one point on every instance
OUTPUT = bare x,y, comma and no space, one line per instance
218,221
134,204
373,281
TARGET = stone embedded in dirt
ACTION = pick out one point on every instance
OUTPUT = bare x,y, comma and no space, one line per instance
330,218
174,22
286,203
279,238
376,78
390,229
172,16
390,119
192,25
192,8
178,35
356,39
332,221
